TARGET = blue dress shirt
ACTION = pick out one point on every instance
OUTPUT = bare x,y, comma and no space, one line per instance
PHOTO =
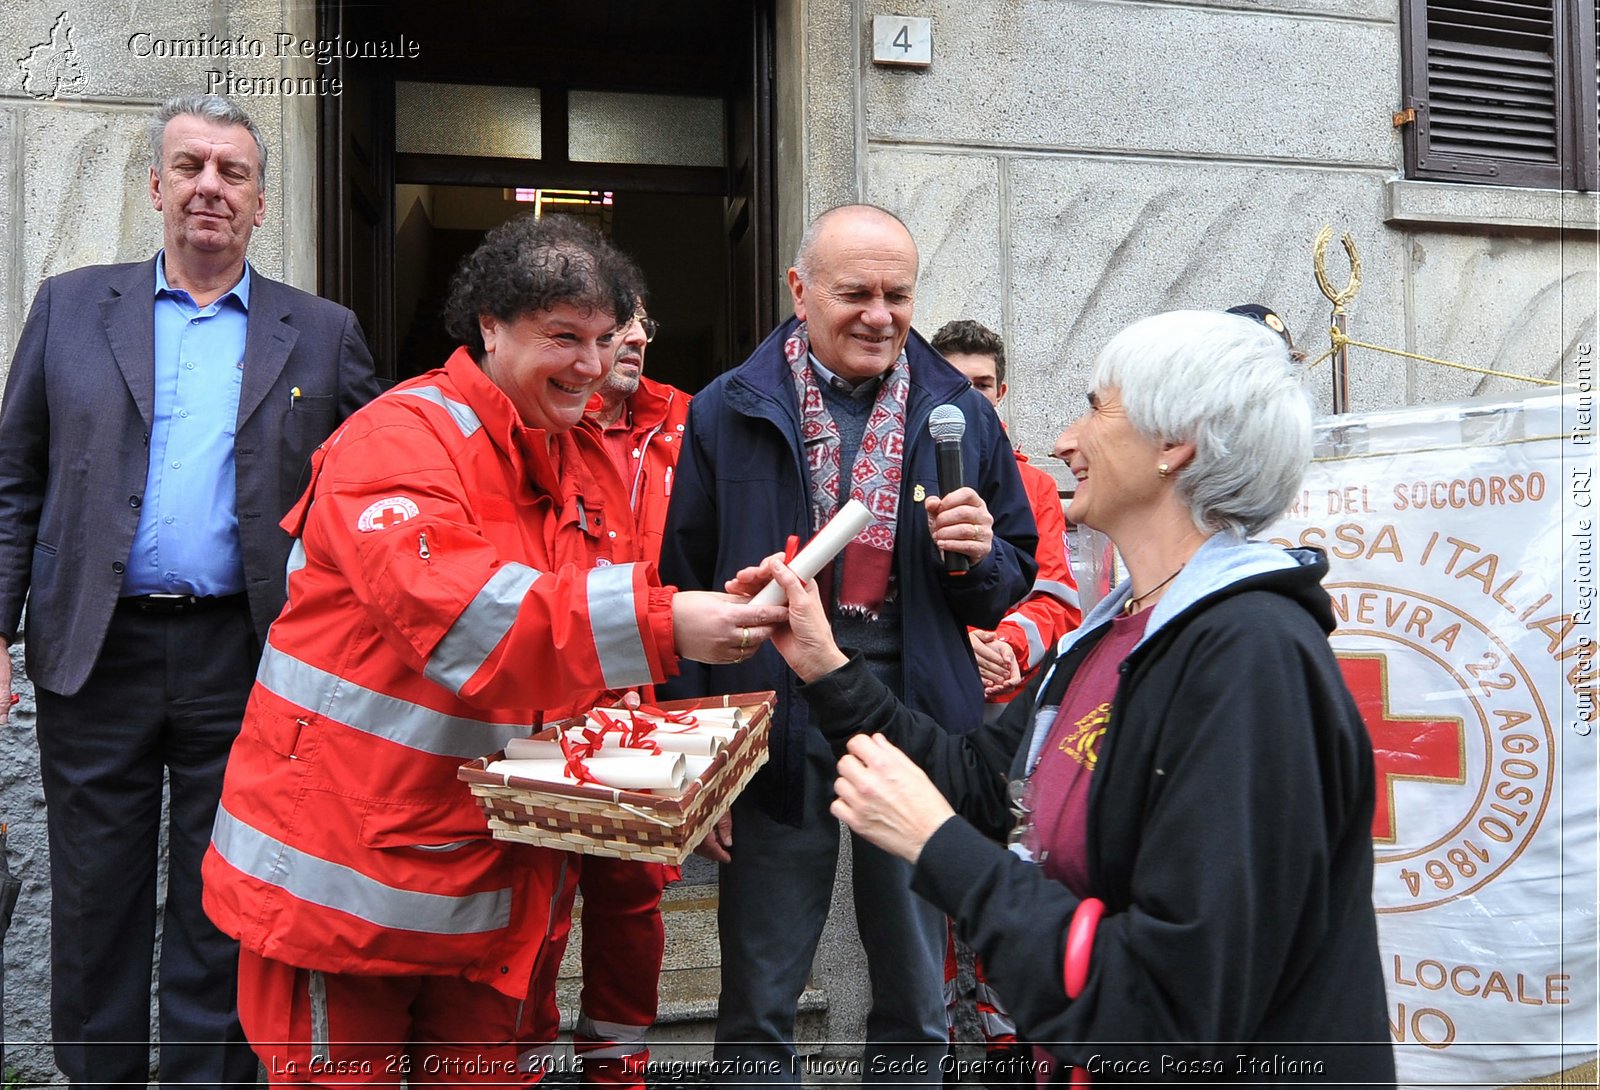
187,541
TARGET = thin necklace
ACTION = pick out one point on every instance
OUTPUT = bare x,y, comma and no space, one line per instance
1132,604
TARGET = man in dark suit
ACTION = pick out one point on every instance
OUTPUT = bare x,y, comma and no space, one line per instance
157,423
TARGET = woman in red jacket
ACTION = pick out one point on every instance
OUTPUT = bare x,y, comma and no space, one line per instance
465,567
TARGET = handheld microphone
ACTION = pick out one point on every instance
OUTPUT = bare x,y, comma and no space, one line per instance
947,426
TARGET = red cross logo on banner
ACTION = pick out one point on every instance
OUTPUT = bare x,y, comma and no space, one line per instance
1404,747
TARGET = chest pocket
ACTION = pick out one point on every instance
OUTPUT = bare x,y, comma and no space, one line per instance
588,536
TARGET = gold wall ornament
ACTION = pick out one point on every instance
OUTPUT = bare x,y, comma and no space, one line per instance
1319,258
1338,297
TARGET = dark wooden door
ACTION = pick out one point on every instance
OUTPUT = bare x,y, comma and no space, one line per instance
751,216
356,185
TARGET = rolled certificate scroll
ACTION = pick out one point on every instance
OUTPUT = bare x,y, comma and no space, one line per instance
652,772
526,749
850,521
715,730
535,749
694,765
726,717
703,744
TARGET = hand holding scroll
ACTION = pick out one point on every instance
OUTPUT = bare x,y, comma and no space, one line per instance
720,628
806,642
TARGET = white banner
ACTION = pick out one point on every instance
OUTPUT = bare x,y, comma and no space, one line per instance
1461,545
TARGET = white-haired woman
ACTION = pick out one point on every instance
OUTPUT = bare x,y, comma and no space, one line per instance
1188,787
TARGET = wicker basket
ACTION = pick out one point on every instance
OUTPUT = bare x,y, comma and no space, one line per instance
637,825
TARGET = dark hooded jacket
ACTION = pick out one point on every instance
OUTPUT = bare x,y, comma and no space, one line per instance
1229,835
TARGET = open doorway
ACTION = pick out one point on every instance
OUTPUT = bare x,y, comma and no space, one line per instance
677,238
653,120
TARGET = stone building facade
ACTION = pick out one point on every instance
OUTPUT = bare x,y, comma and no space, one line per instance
1066,166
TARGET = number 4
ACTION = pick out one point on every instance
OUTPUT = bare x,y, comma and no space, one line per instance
903,39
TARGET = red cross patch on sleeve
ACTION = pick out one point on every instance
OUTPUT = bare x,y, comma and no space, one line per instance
386,513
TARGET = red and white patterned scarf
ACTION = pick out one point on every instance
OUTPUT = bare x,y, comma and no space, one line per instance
875,475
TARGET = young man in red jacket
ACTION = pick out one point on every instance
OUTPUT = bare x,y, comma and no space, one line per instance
1008,655
641,422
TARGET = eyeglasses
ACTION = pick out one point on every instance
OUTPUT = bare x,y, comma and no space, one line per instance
650,326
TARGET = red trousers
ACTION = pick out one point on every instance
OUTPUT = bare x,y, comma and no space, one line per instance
623,941
999,1031
331,1029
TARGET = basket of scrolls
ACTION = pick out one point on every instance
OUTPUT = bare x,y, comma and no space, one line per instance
659,825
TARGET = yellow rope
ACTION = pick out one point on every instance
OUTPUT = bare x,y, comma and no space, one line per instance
1340,340
1320,358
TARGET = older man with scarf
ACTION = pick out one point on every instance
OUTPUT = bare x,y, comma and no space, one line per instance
834,405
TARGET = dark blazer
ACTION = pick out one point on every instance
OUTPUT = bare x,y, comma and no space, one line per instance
74,445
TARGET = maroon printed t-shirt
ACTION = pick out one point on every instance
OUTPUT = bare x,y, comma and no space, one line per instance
1058,790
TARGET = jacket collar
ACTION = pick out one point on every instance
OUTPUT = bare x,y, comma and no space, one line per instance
525,447
130,324
1220,562
651,403
1224,561
269,338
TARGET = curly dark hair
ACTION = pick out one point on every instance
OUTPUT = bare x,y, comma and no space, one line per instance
965,337
527,264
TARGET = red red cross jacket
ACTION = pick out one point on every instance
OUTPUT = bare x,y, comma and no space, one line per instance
1051,609
451,582
656,414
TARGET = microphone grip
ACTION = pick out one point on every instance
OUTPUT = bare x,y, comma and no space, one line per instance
951,477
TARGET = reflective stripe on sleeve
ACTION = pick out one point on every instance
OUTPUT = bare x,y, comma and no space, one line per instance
461,413
480,628
296,561
336,886
602,1039
995,1026
1061,592
412,725
613,618
1030,630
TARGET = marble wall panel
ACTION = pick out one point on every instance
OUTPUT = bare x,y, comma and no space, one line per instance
86,197
951,203
830,69
1167,79
1370,10
1518,303
138,50
13,303
1098,243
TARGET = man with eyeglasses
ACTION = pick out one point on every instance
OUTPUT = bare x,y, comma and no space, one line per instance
641,421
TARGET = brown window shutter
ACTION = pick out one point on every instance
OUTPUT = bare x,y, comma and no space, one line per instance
1494,89
1586,111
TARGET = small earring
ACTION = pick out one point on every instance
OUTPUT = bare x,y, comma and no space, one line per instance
1163,469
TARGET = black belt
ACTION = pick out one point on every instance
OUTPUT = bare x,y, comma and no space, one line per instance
172,605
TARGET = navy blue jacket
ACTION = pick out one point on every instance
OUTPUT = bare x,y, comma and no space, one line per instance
742,488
